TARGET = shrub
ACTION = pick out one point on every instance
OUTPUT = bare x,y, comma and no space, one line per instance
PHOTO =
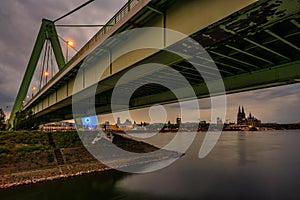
50,157
4,149
28,148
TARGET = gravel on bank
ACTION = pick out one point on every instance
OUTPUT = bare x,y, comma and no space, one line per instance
35,176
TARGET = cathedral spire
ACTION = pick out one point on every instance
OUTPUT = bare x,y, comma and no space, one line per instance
243,110
239,109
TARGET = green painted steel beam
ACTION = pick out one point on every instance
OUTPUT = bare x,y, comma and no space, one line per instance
282,39
293,21
248,54
266,48
229,66
202,71
191,76
234,59
280,75
53,37
47,31
290,35
154,9
210,67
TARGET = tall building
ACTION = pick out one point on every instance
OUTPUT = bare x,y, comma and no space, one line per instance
118,121
251,120
127,125
178,120
241,116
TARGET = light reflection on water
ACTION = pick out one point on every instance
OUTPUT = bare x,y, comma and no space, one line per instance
243,165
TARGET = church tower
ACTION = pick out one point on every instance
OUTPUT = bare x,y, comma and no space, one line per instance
241,116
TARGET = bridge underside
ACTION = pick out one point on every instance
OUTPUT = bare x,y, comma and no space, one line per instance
255,48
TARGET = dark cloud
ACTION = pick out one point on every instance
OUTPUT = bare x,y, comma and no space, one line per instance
278,104
276,92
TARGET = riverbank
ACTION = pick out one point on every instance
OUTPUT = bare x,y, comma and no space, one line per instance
33,165
35,176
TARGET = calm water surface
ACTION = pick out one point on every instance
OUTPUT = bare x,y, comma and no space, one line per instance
243,165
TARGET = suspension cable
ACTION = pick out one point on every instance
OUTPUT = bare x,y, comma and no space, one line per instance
74,10
47,67
44,59
82,25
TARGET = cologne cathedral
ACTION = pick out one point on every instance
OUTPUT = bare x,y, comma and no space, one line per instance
243,120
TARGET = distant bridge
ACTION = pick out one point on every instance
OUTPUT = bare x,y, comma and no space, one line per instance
255,44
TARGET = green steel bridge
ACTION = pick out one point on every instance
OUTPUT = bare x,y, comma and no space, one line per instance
255,44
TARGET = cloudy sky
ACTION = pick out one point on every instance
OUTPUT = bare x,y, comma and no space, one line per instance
20,21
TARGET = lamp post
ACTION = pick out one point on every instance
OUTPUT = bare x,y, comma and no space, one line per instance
32,91
68,43
46,74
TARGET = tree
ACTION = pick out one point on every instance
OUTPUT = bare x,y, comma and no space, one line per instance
2,119
24,120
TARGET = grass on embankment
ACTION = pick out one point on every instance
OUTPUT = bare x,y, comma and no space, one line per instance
27,150
31,150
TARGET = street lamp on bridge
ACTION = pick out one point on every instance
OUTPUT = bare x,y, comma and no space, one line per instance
71,44
46,74
32,91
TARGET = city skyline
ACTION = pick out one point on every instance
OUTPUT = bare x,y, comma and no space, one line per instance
278,104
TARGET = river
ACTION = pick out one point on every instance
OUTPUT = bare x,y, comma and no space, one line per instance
243,165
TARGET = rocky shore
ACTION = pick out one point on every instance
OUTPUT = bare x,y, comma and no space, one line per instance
35,176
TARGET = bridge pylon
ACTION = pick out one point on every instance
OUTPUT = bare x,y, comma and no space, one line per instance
47,32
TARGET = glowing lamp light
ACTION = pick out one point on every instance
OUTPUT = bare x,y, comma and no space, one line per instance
46,73
32,90
70,43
